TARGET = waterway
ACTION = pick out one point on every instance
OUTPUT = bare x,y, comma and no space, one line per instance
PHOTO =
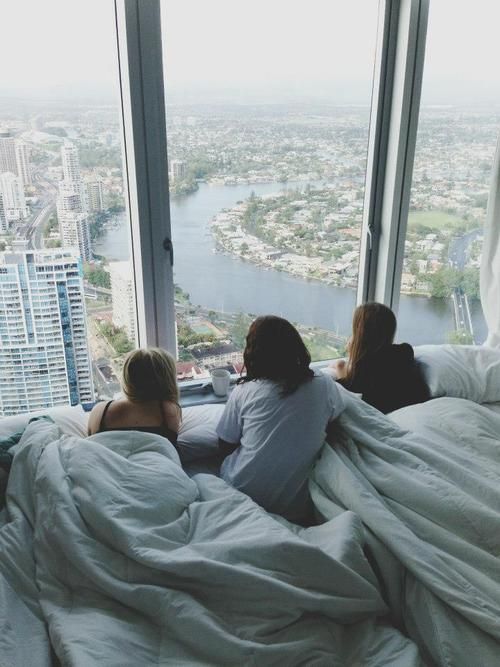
225,283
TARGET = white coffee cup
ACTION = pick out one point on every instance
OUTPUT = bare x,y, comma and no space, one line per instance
220,381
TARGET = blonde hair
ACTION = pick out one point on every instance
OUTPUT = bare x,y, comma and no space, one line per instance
150,374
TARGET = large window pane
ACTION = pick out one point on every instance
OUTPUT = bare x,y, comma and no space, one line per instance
458,129
267,122
67,310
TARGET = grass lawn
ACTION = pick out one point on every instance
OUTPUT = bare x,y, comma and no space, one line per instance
434,219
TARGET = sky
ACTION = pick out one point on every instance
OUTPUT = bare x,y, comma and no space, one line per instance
304,47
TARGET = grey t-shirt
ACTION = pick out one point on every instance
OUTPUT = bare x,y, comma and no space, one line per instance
280,437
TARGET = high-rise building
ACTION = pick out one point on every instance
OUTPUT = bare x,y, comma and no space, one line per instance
8,160
23,162
11,188
3,216
44,355
177,170
72,205
123,297
70,162
94,196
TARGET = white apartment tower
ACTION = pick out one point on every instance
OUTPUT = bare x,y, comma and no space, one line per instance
3,216
123,297
94,196
70,162
14,157
177,170
11,188
8,160
23,162
44,355
72,205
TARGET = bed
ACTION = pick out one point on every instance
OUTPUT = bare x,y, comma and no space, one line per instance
110,554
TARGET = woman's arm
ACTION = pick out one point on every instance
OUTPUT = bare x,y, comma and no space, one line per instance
172,415
95,417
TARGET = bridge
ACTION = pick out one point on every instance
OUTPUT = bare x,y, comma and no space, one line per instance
461,312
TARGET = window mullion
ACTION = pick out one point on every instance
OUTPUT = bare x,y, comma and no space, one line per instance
145,148
395,109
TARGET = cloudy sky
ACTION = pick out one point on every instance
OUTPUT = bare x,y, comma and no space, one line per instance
311,47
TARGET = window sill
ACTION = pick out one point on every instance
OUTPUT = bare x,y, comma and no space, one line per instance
196,392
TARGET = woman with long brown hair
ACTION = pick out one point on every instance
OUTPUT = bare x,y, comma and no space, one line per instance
275,420
385,374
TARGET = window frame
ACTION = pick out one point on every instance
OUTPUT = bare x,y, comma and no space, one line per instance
138,31
397,84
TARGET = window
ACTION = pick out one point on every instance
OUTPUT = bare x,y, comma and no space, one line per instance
64,230
458,128
289,165
267,123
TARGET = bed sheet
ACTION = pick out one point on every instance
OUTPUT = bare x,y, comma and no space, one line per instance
426,484
122,560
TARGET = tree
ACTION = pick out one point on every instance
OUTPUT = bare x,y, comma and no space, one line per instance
444,281
239,329
460,337
470,283
96,275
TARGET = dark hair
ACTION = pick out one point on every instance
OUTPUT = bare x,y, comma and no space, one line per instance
373,327
275,351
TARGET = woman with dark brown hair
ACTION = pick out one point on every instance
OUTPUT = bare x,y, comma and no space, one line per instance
385,374
275,420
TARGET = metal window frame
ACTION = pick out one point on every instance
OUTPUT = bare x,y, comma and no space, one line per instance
138,29
395,108
391,150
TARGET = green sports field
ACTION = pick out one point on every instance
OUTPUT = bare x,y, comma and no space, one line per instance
434,219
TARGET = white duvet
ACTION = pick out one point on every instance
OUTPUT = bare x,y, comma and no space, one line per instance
111,556
426,484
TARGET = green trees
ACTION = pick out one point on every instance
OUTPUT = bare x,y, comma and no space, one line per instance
96,275
116,337
50,226
460,337
446,279
186,336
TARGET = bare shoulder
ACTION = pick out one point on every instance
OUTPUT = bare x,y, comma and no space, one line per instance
172,414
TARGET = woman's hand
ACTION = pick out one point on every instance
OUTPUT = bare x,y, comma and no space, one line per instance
340,368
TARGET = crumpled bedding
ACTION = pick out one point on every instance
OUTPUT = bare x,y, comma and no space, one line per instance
426,484
110,555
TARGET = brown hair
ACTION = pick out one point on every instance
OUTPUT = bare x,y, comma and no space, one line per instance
275,351
373,327
150,374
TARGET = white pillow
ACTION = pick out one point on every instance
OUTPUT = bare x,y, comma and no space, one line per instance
197,436
71,420
461,371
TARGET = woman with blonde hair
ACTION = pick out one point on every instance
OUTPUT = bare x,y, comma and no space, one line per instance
151,397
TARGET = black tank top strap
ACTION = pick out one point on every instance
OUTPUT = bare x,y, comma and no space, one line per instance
103,416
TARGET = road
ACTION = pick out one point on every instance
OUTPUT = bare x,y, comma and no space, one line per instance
457,257
461,310
457,253
33,229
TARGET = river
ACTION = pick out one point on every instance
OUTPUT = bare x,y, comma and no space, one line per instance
221,282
